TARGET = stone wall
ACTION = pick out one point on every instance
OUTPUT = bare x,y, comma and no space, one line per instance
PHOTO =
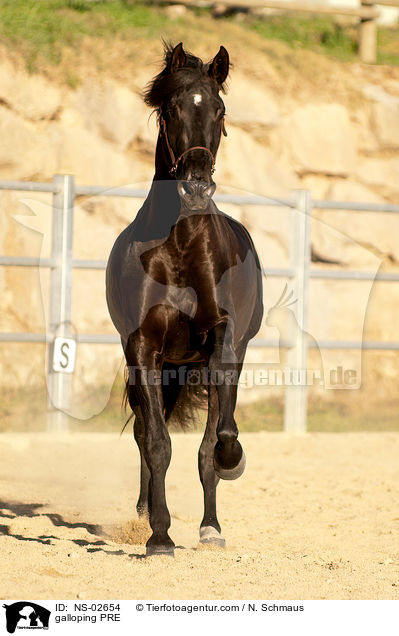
103,134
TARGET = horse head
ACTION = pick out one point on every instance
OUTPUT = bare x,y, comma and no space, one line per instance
186,95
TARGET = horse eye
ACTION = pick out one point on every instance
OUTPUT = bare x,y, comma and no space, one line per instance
173,110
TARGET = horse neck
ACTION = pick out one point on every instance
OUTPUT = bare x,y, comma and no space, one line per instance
162,163
161,208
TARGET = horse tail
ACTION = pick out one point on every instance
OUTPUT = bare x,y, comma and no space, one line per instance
127,397
183,392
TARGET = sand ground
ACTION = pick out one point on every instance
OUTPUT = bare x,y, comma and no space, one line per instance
313,517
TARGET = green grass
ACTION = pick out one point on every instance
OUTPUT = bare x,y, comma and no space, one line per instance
323,34
303,31
41,29
388,46
44,27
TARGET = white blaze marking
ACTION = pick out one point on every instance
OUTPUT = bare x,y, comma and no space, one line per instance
197,99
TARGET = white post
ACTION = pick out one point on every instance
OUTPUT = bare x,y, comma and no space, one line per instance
296,396
58,382
368,36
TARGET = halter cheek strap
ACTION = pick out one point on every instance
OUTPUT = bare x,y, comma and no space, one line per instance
175,162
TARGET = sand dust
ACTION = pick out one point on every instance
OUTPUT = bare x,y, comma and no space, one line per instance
312,517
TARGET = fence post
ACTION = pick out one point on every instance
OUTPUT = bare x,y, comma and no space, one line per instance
368,36
59,383
296,396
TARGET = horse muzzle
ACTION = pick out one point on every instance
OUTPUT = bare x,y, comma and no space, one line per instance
195,195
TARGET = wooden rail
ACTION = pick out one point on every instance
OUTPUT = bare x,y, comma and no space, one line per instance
366,12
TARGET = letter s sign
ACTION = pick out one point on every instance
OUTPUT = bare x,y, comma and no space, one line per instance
64,355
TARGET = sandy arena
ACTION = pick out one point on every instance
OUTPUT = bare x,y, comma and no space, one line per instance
313,517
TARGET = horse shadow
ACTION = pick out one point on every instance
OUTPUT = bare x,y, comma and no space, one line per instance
12,509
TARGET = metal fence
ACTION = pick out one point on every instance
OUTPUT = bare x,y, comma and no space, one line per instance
61,264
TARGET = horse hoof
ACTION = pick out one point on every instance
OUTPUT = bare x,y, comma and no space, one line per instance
231,473
143,512
210,536
160,550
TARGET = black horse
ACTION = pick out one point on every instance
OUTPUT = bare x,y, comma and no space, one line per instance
184,290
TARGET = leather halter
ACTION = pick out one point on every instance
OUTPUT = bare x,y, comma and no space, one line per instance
175,162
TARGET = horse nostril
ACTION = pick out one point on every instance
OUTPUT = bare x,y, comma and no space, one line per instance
206,190
191,187
186,188
193,190
209,190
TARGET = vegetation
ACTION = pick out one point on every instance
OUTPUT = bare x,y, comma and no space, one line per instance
343,414
317,33
41,29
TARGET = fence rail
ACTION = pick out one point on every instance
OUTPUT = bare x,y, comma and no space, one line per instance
61,264
367,13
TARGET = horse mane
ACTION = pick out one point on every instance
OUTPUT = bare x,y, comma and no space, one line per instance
165,84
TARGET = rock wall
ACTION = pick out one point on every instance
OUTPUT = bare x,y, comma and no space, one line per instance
104,134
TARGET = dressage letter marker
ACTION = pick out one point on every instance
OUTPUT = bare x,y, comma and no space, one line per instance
64,355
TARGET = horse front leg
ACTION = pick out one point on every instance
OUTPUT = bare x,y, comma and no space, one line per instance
225,365
156,446
210,528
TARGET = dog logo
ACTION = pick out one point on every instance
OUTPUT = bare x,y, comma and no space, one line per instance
26,615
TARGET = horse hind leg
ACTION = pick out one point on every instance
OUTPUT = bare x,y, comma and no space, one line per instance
143,503
210,529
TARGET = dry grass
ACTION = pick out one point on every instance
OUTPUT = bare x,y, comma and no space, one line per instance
374,407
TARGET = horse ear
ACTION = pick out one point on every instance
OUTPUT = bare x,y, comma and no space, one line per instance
219,67
178,58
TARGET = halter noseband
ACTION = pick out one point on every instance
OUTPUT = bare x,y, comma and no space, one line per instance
175,162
